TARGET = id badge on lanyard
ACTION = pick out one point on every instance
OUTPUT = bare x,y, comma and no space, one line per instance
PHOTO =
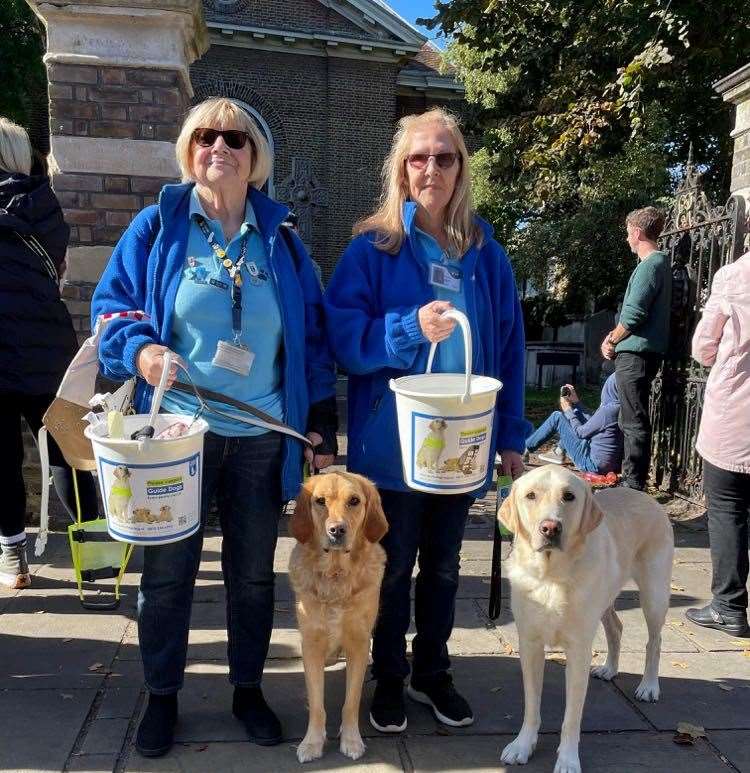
445,277
231,355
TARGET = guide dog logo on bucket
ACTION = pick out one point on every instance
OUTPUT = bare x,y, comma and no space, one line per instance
155,488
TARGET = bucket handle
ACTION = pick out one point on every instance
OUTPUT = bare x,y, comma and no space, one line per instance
463,323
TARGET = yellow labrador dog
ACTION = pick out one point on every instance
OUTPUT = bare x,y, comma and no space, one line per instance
572,554
336,569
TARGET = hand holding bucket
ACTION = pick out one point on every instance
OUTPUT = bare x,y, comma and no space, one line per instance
445,424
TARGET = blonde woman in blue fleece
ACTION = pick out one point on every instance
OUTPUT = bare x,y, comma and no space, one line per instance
236,297
422,252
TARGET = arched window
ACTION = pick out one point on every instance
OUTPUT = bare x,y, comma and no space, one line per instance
265,129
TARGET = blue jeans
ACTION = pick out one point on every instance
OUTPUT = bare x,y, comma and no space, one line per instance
244,473
576,448
431,525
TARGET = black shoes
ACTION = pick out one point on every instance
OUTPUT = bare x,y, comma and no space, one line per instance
448,706
262,725
156,732
387,712
708,617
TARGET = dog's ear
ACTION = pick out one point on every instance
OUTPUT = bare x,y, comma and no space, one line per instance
375,525
302,526
592,514
508,512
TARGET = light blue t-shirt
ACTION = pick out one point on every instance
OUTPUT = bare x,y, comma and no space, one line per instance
449,357
203,317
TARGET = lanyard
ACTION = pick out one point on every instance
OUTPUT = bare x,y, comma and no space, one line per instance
234,269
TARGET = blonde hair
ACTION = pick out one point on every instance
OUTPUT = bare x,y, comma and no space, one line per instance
461,228
15,148
222,113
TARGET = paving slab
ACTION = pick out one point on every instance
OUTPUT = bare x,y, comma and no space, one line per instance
734,745
690,690
634,633
380,757
92,763
105,736
118,702
600,753
494,688
40,726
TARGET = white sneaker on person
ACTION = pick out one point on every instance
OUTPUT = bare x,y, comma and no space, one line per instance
556,456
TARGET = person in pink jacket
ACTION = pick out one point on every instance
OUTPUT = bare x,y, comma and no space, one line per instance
722,341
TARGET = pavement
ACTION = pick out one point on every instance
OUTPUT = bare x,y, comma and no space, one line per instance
71,685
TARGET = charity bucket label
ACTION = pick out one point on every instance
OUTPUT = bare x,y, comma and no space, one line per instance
151,502
450,451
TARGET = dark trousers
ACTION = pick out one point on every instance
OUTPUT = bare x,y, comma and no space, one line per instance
728,497
634,374
244,473
430,526
13,407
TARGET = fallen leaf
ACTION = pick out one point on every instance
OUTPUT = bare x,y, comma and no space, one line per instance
680,664
96,666
508,649
558,657
739,643
694,731
726,687
67,640
676,587
746,653
66,696
683,739
677,623
496,689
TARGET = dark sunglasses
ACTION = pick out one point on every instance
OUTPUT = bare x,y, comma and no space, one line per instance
443,160
234,138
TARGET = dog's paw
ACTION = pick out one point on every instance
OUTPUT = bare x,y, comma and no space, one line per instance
567,763
605,672
648,691
518,752
311,748
352,744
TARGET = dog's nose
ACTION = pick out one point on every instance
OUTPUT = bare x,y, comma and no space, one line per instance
337,531
550,529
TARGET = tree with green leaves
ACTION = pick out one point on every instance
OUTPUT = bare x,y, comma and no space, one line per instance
22,72
586,110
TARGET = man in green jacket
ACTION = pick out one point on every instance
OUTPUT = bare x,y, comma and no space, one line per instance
640,339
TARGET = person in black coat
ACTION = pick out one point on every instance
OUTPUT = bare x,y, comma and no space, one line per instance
37,340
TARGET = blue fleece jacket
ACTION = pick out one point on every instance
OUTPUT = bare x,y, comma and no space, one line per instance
601,428
144,273
371,308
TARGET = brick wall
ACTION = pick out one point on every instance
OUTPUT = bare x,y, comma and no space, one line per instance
99,207
294,15
118,102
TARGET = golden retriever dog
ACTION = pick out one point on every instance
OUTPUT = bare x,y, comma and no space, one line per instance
336,569
573,552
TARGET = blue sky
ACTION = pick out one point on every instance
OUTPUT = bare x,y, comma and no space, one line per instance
411,10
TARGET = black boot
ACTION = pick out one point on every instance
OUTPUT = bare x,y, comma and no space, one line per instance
708,617
262,725
156,731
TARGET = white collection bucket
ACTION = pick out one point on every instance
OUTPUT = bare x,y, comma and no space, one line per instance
445,424
151,488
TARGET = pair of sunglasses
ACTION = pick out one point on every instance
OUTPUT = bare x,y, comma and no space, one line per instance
234,138
443,160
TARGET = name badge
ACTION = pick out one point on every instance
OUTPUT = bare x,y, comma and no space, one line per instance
218,283
234,357
444,277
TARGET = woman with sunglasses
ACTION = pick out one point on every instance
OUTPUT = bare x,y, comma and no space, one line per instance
235,296
422,252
